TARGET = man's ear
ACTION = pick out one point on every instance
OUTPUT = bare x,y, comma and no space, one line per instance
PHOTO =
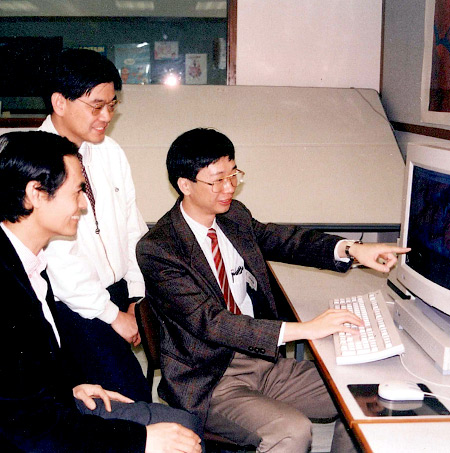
184,185
33,195
59,103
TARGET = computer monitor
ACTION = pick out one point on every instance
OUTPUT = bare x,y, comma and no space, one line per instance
423,274
425,271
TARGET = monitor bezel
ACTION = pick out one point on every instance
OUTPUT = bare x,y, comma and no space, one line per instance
437,159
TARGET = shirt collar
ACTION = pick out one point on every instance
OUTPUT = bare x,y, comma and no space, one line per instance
85,151
199,230
31,262
85,148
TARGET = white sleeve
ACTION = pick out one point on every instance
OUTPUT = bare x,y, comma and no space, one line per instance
336,256
76,282
280,338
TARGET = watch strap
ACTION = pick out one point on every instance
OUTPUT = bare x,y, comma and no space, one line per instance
347,249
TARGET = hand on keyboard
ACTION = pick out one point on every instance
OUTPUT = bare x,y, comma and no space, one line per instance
330,322
379,338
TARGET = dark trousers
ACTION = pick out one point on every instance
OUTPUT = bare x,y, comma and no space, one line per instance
98,355
144,414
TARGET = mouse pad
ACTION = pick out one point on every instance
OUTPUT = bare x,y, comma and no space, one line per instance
373,406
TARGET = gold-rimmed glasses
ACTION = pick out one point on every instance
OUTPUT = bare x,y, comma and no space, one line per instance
97,108
234,179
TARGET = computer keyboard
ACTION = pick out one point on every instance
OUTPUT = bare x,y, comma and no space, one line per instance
379,338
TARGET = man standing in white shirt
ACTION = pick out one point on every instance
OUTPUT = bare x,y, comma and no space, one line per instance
96,275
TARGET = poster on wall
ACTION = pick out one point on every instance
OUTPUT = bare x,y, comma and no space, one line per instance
166,50
195,69
133,62
435,92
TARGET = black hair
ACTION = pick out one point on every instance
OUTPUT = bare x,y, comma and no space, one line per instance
77,72
194,150
30,156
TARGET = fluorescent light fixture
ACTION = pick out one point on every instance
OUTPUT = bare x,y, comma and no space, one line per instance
136,5
18,6
207,6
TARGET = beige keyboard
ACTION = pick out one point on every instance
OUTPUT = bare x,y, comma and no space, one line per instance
379,337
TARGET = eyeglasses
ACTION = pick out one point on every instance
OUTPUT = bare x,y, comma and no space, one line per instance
235,179
97,108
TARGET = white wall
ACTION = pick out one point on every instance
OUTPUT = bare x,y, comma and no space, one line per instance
315,43
403,57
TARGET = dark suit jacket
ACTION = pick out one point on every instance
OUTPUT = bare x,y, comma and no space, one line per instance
198,334
37,411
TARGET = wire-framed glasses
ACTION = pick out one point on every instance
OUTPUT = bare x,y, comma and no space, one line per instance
234,179
97,108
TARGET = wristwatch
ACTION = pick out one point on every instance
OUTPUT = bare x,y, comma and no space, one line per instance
347,249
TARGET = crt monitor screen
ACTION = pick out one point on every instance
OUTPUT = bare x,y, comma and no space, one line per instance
429,226
425,270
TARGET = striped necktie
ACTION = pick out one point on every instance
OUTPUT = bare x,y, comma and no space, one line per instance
89,192
223,280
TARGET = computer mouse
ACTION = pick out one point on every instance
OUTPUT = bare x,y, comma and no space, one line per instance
400,406
400,391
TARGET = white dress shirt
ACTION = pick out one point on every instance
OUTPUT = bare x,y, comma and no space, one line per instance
233,262
234,265
81,268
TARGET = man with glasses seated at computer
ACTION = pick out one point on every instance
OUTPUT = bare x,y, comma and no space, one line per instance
96,274
205,264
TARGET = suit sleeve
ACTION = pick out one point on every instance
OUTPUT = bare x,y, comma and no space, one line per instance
37,412
36,415
41,424
296,245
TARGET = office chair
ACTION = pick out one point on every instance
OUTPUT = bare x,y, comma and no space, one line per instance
148,326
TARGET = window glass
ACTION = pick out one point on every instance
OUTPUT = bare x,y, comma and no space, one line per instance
150,42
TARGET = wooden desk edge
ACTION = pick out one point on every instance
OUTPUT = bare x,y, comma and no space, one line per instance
414,419
361,439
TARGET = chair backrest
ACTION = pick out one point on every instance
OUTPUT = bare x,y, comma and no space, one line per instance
148,326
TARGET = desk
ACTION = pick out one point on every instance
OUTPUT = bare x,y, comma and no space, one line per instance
390,437
308,291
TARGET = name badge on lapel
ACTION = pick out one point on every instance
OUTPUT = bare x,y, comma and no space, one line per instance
251,280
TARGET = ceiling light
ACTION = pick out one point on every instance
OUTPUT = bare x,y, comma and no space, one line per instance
206,6
17,6
135,5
